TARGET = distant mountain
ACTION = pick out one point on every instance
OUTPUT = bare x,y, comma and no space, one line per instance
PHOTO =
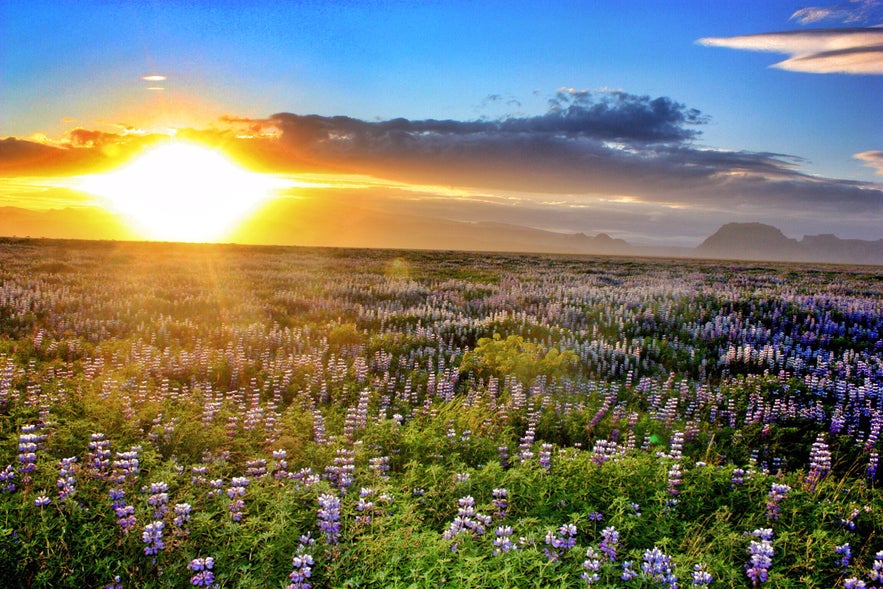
757,241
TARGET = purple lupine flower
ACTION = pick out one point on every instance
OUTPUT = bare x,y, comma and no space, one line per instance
503,456
701,577
182,517
235,492
657,565
42,501
674,481
66,482
761,552
845,552
560,541
628,573
501,502
125,513
876,572
152,537
774,497
595,516
365,507
159,499
204,576
609,540
7,479
545,459
467,521
117,584
503,541
591,566
329,517
738,478
98,458
854,583
302,570
379,465
819,463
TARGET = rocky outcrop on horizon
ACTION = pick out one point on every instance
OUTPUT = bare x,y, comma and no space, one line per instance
758,241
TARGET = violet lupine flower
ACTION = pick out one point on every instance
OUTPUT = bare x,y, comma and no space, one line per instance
501,502
98,458
117,584
560,541
591,566
182,517
774,497
42,501
873,463
761,552
7,479
204,576
256,468
628,573
545,459
27,452
819,463
152,537
235,492
302,570
66,482
159,499
609,540
215,485
853,583
657,565
341,472
365,507
126,465
125,513
467,521
503,540
738,478
845,552
503,456
329,517
674,481
595,516
701,577
198,479
876,572
380,466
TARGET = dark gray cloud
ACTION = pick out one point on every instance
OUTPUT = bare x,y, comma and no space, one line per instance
611,143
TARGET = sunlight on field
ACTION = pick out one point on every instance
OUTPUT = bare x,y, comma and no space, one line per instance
180,191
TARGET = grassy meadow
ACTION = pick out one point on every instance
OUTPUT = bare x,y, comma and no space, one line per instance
225,416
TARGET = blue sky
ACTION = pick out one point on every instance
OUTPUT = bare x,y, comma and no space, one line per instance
68,65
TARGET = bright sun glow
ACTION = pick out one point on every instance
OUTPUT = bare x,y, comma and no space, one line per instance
180,191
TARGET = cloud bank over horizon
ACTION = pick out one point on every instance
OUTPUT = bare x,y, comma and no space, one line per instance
611,161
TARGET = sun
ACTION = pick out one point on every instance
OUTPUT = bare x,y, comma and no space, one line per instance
182,191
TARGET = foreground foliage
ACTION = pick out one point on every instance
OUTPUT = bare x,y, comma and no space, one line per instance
254,417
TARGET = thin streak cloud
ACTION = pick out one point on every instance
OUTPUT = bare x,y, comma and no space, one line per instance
821,51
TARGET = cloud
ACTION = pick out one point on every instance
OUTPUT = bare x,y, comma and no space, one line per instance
872,159
854,11
822,51
590,162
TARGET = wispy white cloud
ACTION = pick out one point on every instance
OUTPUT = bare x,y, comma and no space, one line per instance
821,51
852,12
872,159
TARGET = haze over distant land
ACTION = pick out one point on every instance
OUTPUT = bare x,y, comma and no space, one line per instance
368,229
573,127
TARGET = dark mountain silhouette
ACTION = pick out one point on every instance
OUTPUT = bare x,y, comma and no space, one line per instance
757,241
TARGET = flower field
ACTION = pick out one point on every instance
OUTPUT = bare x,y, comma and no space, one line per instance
225,416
